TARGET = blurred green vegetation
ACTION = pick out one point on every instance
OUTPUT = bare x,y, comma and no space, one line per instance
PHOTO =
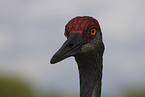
14,87
133,93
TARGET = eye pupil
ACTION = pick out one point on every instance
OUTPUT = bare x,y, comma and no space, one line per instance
93,31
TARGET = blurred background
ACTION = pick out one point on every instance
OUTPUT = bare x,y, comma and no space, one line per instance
31,31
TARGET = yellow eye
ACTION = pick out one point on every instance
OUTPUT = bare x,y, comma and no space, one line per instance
65,34
93,31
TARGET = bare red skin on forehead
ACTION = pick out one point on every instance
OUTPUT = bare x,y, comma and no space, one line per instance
82,25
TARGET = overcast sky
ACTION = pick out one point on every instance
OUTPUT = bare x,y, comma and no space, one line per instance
31,31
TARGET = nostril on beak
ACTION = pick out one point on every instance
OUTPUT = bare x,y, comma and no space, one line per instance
70,45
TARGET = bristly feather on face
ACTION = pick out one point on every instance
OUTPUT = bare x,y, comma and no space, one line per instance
83,26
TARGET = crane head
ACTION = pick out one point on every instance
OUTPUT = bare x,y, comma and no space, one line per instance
83,37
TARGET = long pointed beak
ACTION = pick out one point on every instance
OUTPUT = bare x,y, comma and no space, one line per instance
71,47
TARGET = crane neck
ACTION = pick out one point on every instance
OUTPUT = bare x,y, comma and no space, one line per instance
90,73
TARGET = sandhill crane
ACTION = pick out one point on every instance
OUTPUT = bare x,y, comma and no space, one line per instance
84,42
